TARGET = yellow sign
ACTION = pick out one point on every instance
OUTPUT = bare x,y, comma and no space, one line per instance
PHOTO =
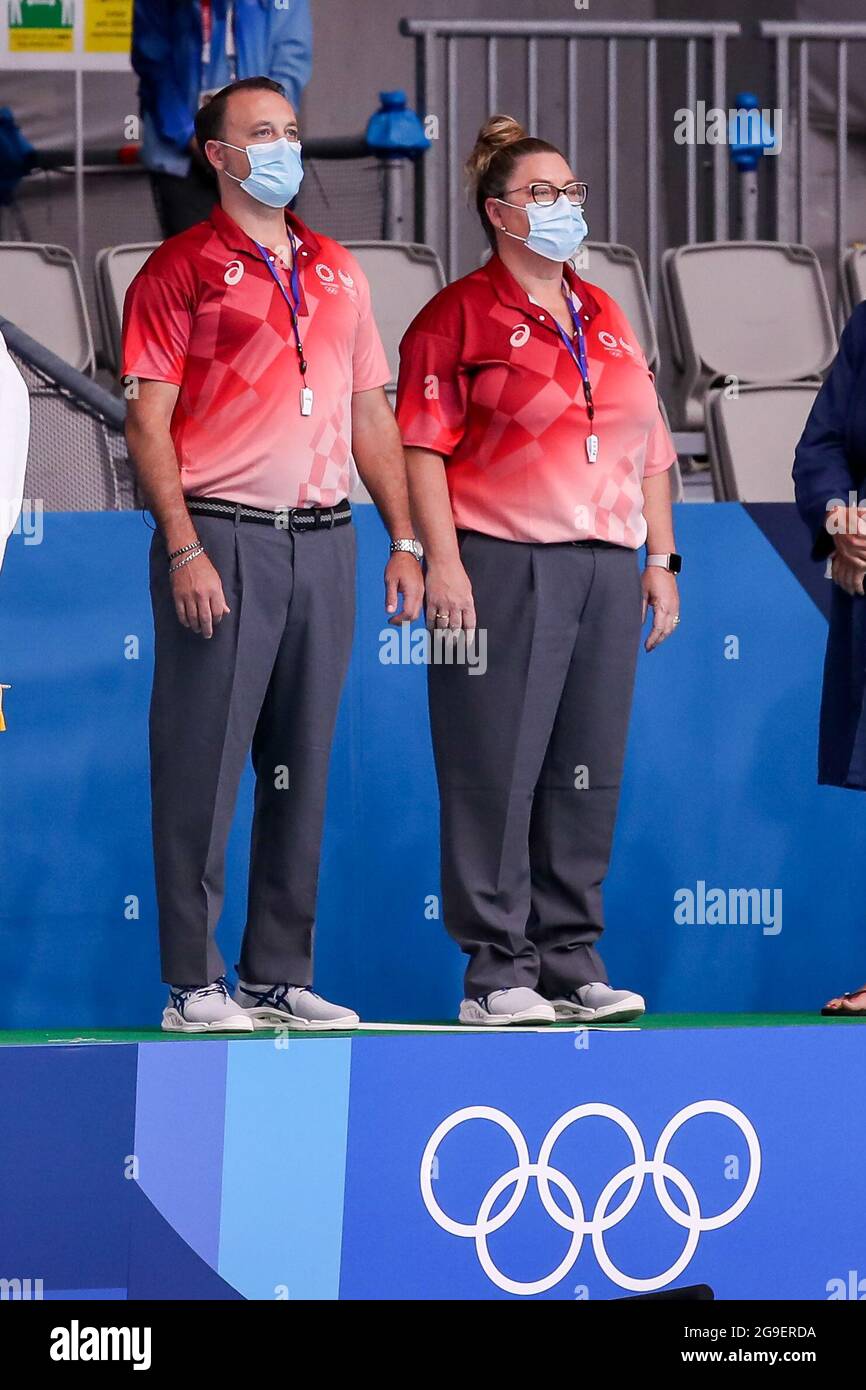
107,26
2,720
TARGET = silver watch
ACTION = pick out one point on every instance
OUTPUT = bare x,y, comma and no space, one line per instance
409,547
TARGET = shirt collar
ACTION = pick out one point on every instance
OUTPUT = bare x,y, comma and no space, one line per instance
236,239
510,292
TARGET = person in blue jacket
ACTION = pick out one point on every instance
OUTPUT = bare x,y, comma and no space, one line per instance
182,52
830,490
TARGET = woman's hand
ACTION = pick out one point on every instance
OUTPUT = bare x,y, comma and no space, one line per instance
449,598
660,593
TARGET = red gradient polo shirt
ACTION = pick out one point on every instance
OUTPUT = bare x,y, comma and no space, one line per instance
205,313
486,381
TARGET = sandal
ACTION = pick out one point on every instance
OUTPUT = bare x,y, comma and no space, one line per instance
839,1008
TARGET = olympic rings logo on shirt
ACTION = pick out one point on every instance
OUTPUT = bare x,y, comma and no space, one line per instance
520,335
325,273
603,1219
234,272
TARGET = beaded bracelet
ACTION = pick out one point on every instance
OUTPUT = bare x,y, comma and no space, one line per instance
179,564
193,545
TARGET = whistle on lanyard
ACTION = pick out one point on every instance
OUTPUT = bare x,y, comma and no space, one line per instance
592,447
306,400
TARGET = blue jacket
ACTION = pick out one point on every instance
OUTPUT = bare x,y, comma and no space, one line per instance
830,463
166,54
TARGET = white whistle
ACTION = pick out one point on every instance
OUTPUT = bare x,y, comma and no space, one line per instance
592,447
306,400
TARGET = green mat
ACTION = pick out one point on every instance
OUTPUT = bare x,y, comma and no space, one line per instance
41,1037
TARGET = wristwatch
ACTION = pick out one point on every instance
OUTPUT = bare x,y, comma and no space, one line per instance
409,547
672,562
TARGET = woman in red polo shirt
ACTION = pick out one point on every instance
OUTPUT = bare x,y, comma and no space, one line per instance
538,463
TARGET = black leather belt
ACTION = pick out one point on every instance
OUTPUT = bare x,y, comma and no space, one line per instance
291,518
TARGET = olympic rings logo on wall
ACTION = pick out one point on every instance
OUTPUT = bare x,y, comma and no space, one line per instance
574,1220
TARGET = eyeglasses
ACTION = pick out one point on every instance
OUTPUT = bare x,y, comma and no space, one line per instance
547,193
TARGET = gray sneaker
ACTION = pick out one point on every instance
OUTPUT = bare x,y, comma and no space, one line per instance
292,1006
505,1006
599,1003
207,1010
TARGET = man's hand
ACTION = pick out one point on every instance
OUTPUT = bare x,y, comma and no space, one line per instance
848,573
403,576
198,596
660,593
450,602
847,526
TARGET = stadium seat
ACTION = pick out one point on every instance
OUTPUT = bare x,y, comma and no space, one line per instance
115,267
754,311
403,276
751,438
676,347
617,270
41,292
676,473
853,278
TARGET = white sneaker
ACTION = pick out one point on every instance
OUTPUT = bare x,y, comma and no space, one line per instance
207,1010
292,1006
597,1003
505,1006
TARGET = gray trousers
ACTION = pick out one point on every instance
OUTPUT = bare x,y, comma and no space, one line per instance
268,680
525,832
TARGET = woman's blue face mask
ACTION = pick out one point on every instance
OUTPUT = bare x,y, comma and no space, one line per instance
275,173
555,231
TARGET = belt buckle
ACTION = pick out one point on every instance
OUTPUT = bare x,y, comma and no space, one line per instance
292,515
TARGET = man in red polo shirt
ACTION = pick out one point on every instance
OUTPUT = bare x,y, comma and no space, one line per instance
259,373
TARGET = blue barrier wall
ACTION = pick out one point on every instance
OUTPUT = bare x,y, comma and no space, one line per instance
562,1165
720,790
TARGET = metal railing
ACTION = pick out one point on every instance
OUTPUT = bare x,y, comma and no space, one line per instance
348,184
439,72
793,44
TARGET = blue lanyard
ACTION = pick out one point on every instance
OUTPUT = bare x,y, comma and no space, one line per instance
578,355
294,302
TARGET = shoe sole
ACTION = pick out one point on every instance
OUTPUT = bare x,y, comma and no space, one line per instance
173,1022
275,1018
535,1015
608,1013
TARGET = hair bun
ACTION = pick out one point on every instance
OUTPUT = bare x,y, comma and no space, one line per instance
496,134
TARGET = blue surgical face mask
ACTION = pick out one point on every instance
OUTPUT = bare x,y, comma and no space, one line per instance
555,231
275,173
